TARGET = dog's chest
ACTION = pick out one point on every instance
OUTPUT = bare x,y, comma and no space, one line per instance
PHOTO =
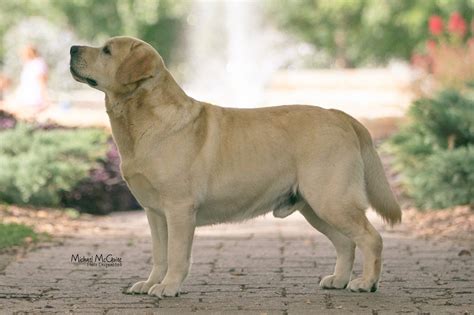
143,190
139,181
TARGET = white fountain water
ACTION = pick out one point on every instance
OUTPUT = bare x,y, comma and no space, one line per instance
232,52
235,57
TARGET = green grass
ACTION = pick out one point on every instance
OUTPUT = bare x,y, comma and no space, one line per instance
13,234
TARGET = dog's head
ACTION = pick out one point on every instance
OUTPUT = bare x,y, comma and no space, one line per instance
121,63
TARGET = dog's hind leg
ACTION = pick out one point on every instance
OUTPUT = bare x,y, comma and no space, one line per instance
341,202
345,249
353,223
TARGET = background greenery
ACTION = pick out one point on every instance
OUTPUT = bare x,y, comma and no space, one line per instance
156,21
49,165
37,165
360,32
434,151
350,32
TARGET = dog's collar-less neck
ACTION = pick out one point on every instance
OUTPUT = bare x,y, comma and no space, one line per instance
172,109
114,106
115,103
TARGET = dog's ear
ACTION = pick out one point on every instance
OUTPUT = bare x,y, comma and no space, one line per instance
140,64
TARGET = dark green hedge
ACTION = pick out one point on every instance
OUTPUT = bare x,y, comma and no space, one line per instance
434,151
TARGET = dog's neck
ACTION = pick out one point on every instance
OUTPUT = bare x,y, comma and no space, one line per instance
161,98
162,87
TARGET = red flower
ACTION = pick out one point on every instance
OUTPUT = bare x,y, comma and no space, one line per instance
457,25
435,24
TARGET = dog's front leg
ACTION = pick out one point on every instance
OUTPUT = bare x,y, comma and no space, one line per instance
181,226
159,241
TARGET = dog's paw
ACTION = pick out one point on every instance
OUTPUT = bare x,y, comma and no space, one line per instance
333,282
162,290
141,287
362,285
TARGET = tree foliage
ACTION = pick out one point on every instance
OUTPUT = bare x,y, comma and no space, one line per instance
155,21
358,32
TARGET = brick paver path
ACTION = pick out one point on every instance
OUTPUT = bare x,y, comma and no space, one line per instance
265,266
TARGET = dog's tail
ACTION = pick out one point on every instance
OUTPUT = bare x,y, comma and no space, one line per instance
378,190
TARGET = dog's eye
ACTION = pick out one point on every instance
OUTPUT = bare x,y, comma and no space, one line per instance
106,50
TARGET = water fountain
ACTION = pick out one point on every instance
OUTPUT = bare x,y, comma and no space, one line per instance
234,56
231,52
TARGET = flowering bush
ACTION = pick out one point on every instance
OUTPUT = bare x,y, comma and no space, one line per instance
36,166
104,190
449,57
436,25
434,151
52,165
457,25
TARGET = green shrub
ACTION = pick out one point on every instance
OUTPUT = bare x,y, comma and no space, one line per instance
435,150
36,166
446,179
447,121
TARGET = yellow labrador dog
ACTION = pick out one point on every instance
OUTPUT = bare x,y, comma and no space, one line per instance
190,163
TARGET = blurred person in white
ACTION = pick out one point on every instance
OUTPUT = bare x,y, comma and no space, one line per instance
31,96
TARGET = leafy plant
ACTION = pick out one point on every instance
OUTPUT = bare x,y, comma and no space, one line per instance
51,165
104,190
37,165
435,151
446,179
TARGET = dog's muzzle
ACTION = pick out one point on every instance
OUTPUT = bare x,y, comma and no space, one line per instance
74,52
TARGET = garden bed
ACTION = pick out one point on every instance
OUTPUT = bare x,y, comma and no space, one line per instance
48,165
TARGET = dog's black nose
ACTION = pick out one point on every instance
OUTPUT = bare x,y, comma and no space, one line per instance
74,50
